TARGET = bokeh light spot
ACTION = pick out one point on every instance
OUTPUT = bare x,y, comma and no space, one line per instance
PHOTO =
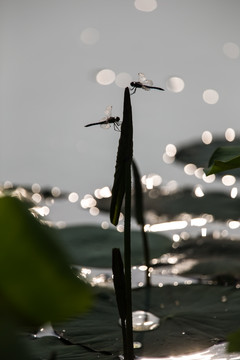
176,238
61,224
175,84
231,50
151,180
168,159
89,36
228,180
120,228
234,192
36,188
56,191
190,169
7,184
204,232
145,5
198,191
37,198
210,96
123,79
94,211
209,179
42,211
73,197
105,77
198,222
229,134
199,173
171,150
233,224
171,225
88,201
207,137
104,225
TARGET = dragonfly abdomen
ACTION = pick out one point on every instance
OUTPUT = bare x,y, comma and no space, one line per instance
154,87
97,123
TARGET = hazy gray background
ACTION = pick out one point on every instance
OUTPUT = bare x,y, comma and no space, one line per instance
48,87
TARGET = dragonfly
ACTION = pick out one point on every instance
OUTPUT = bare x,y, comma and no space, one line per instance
143,83
107,120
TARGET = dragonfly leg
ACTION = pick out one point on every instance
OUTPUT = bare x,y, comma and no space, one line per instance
117,127
133,90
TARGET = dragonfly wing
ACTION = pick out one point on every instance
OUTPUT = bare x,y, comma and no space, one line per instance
141,77
104,123
108,111
105,126
143,80
146,88
148,83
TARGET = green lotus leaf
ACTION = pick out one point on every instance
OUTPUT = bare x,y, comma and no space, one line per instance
36,283
216,203
224,158
192,318
80,240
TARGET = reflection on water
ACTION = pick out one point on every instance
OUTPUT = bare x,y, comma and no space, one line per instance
216,352
137,345
159,277
144,321
95,276
170,264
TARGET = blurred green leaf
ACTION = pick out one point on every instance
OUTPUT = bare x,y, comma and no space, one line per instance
12,347
234,341
124,159
36,283
198,153
224,158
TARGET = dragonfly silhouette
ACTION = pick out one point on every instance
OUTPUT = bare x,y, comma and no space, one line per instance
143,83
107,120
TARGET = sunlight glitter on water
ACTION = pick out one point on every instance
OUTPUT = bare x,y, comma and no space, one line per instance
102,277
171,225
216,352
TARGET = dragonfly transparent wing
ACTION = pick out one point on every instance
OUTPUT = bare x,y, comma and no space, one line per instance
106,125
108,114
144,81
108,111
